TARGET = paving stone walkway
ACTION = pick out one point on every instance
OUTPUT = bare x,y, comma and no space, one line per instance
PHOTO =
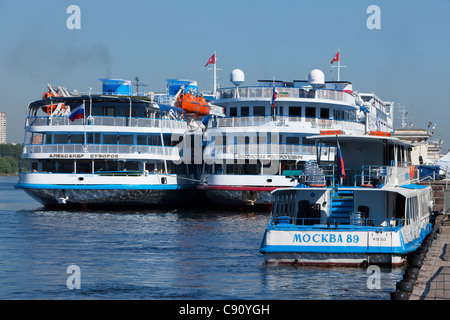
433,281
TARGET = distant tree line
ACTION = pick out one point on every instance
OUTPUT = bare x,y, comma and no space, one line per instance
10,156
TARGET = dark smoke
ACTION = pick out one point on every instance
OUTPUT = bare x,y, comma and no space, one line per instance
43,58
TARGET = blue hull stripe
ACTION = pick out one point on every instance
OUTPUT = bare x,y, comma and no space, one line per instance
105,186
403,249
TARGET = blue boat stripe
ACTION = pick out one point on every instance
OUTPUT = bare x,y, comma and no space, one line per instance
105,187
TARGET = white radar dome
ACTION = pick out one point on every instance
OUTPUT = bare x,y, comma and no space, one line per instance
316,78
237,77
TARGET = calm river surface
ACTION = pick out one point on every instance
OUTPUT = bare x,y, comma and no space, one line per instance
151,254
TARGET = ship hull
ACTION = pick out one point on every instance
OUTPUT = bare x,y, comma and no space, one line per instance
238,196
335,259
178,196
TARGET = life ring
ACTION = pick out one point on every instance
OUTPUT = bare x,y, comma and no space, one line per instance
411,171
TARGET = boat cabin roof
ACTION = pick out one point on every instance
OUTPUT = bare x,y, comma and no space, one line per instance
103,99
332,139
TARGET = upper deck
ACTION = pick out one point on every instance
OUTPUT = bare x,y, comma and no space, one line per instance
286,93
302,106
113,127
107,112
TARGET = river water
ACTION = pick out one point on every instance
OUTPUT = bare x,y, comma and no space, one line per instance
154,254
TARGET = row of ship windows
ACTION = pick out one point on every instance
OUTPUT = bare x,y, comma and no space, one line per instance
297,111
98,166
38,138
100,138
152,139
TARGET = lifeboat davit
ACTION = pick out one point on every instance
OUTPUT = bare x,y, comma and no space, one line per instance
50,108
191,104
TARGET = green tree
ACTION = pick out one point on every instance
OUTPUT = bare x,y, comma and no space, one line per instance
5,166
10,158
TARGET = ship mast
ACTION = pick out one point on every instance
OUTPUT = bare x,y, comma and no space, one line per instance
339,66
215,69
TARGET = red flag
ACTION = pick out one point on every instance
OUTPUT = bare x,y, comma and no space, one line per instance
336,58
211,60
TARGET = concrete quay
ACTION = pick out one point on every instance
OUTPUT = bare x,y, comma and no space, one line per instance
427,275
433,281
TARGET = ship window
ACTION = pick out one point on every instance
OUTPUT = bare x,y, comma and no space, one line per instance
133,112
310,112
77,138
93,138
292,140
244,111
307,142
233,112
259,111
125,139
109,139
108,111
295,111
141,140
34,166
166,140
129,166
60,138
65,166
154,140
37,138
325,113
48,166
84,166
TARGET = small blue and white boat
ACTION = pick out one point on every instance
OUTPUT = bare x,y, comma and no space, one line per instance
369,211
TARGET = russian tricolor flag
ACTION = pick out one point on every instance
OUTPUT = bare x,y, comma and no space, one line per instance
274,97
340,161
77,113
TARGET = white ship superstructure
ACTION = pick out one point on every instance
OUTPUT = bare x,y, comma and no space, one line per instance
261,144
119,150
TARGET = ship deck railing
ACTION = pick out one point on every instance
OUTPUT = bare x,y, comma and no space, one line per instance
260,150
299,122
369,176
107,121
286,92
329,222
101,149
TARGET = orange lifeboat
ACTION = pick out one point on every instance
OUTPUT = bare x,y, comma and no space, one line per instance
203,108
50,108
192,104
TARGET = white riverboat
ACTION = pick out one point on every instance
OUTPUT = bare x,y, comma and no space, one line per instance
369,210
107,149
262,144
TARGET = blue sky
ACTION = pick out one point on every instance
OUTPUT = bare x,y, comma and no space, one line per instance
406,61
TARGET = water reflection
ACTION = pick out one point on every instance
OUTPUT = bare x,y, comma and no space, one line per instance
155,254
